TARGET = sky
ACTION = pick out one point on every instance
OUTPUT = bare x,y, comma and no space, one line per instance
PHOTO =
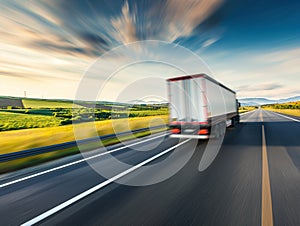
48,47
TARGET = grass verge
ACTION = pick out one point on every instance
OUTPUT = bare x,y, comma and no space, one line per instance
18,140
18,164
293,112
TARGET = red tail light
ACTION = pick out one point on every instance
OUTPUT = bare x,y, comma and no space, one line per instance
175,131
203,131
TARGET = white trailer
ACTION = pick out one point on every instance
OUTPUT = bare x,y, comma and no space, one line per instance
200,107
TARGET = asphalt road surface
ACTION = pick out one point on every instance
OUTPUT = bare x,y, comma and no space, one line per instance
254,180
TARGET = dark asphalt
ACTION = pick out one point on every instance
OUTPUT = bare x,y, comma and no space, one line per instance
227,193
283,143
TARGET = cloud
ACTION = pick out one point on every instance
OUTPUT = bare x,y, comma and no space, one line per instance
88,29
162,20
285,61
283,92
124,26
209,42
273,74
281,55
259,87
56,40
182,17
171,20
43,27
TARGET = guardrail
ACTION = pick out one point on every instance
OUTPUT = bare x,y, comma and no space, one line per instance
56,147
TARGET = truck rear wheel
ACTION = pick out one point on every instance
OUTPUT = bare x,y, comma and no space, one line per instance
238,119
218,130
233,122
222,128
215,131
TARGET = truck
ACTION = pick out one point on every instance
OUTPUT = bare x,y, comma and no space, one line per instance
200,107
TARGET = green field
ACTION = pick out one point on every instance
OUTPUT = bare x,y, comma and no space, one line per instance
35,103
32,123
14,121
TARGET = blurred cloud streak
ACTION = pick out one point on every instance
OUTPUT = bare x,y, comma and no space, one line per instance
57,40
125,26
182,17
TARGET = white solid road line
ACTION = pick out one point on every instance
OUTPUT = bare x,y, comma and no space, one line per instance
296,120
76,162
245,113
97,187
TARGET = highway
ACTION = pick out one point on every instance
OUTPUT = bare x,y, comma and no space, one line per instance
254,180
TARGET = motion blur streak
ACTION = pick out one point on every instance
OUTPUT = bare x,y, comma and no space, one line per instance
43,42
51,43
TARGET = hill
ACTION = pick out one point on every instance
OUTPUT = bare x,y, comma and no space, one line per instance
264,101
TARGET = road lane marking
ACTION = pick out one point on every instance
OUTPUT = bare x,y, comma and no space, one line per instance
97,187
76,162
296,120
266,198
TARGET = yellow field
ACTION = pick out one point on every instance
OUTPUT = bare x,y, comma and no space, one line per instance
12,141
246,108
28,103
294,112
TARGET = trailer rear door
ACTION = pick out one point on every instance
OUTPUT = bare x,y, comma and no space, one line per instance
186,100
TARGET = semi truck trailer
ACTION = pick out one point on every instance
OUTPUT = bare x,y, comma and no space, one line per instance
200,107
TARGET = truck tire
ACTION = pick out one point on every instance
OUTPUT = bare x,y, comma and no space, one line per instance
219,130
233,122
222,129
214,131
